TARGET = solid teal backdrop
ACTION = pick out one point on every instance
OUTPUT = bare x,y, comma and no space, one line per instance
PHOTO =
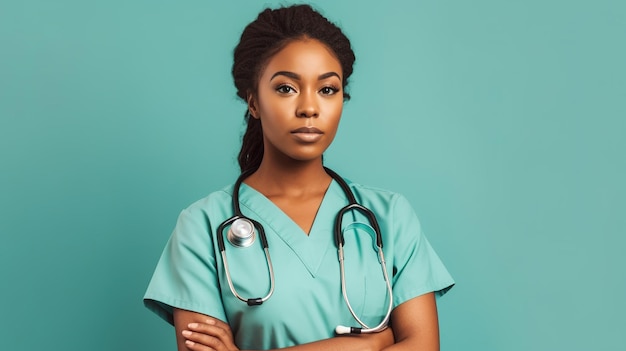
501,121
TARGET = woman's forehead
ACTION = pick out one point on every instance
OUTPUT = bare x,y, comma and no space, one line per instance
307,58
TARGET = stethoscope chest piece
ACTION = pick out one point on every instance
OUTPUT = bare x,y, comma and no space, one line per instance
241,233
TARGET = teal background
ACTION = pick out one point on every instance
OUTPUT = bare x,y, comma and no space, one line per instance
501,121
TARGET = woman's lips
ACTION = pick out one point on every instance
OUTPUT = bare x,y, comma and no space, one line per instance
307,134
307,130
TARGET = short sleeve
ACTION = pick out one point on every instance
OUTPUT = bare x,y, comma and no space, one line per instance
185,276
417,267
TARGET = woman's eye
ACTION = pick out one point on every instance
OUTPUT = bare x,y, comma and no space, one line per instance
285,89
329,90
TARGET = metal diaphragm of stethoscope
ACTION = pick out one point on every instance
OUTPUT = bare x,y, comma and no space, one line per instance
242,233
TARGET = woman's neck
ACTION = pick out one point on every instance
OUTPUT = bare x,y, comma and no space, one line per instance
295,178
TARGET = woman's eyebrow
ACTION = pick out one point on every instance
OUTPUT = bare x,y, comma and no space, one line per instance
328,75
296,76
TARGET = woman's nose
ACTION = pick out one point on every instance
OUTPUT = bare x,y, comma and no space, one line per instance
307,105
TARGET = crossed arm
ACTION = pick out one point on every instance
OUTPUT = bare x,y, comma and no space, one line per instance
414,326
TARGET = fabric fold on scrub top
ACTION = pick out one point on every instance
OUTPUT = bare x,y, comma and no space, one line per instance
307,303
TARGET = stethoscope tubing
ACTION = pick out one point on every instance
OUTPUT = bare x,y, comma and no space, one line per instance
251,301
339,241
365,328
255,301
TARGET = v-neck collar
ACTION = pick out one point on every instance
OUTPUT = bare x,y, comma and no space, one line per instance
311,248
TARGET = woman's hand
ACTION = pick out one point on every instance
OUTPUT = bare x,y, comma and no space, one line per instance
212,335
199,332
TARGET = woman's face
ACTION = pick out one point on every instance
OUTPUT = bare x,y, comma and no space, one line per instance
299,101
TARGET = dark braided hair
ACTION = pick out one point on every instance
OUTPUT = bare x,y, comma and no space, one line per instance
268,34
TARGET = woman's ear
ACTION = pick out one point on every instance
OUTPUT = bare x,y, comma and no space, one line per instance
253,105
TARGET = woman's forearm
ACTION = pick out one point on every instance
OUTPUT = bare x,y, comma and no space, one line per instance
208,333
415,325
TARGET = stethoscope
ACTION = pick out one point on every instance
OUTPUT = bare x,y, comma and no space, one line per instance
242,233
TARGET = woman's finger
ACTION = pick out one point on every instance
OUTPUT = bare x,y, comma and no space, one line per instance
213,328
203,342
197,347
218,323
211,337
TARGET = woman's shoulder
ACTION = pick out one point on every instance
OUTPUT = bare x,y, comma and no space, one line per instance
217,199
369,189
377,197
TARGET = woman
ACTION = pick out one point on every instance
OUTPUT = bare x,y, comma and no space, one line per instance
292,68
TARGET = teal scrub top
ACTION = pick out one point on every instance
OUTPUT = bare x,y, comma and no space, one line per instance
307,303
